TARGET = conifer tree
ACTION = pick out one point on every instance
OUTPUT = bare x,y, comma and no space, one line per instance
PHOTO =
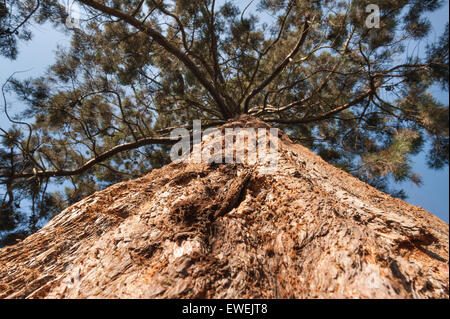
135,69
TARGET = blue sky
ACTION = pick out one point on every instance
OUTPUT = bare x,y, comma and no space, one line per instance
433,195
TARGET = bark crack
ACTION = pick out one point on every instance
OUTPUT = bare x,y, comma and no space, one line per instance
235,194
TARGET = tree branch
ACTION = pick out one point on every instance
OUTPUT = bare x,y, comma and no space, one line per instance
98,159
322,116
168,46
280,67
269,47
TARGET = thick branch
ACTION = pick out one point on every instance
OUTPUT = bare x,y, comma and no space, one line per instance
98,159
269,47
280,67
325,115
168,46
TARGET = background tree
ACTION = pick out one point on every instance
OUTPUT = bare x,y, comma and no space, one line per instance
137,68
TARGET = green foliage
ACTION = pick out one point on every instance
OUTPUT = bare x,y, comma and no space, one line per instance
438,53
393,159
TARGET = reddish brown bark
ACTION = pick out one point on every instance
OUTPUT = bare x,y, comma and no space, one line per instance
229,231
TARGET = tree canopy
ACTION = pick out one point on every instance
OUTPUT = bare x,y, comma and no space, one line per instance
135,69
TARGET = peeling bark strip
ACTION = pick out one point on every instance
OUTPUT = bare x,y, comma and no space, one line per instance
308,231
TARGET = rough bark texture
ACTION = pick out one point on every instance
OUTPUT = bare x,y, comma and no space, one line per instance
229,231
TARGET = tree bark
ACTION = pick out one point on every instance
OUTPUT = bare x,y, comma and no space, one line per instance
229,231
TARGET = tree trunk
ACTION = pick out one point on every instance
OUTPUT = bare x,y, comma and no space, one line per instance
192,230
